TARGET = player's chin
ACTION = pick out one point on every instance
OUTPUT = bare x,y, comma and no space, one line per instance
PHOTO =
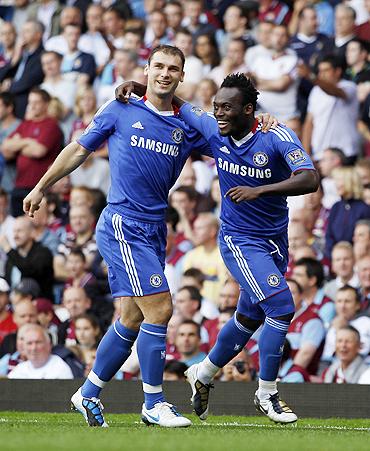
225,131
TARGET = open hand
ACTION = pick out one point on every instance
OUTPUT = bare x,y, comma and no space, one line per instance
268,121
242,193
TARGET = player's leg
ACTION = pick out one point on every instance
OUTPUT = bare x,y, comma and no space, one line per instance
232,338
151,349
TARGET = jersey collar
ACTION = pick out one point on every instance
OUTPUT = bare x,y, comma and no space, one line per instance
149,104
256,127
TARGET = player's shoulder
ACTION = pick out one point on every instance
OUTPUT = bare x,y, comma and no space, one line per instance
282,133
114,106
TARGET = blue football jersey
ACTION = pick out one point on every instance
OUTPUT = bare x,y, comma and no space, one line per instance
147,151
258,159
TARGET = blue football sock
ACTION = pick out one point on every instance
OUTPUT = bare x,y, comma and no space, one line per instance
151,350
230,341
112,352
271,343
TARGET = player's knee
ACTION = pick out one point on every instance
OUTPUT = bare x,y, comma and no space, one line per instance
249,323
158,309
280,306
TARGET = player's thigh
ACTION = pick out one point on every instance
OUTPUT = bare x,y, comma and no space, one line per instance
252,263
156,308
249,309
135,264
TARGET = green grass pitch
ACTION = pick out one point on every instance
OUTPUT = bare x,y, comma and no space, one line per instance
67,431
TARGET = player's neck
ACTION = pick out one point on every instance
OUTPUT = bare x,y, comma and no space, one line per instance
249,126
162,104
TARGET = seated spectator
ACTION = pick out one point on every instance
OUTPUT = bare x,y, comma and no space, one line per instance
298,238
48,13
306,335
27,289
206,49
47,318
332,158
8,37
9,361
188,343
7,324
204,94
35,143
29,259
196,19
263,35
348,306
348,210
349,365
41,232
114,21
8,123
24,313
24,71
274,11
88,333
365,377
362,167
345,23
229,295
81,234
358,67
174,371
309,273
174,15
342,261
40,363
239,369
361,239
363,271
173,325
156,31
77,303
206,255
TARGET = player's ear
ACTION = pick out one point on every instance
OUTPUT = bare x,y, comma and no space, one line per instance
146,69
248,109
182,76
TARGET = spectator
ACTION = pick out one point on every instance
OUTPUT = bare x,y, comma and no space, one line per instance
114,22
332,112
309,273
298,237
363,30
206,255
29,258
24,71
93,42
276,79
40,363
184,200
7,324
206,49
48,13
173,325
263,47
347,306
358,67
196,20
174,371
345,22
87,330
363,270
239,369
188,343
8,36
204,94
27,289
274,11
193,67
361,239
348,210
41,233
81,235
229,295
306,336
78,66
332,158
77,303
20,13
342,261
47,318
349,365
24,313
35,143
85,108
362,168
174,15
156,31
9,361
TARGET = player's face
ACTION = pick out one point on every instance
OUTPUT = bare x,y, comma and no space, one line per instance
164,74
232,116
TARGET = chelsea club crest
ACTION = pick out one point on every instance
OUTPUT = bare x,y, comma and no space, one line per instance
260,159
177,135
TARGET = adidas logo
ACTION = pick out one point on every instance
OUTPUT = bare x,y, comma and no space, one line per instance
224,149
138,124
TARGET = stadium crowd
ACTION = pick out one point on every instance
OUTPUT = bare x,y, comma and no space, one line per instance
61,60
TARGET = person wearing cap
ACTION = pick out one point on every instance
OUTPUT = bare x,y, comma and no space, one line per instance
7,324
27,289
47,318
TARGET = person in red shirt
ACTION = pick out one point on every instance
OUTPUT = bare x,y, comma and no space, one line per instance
7,325
36,143
274,11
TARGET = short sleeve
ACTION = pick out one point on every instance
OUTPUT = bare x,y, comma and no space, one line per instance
204,123
286,142
313,332
100,128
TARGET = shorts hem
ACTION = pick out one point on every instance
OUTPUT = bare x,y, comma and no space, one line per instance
273,294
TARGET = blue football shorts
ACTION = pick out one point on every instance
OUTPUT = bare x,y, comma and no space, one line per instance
134,252
257,264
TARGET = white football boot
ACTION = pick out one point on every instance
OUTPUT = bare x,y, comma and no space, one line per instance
165,415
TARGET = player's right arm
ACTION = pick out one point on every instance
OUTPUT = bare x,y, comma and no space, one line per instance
67,161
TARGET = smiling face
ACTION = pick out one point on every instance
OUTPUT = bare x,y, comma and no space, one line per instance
233,118
165,71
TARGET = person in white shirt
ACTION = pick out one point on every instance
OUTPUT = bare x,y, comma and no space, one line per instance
343,261
332,113
40,363
70,15
263,35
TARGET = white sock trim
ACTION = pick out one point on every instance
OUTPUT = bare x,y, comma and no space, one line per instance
94,379
206,371
266,388
147,388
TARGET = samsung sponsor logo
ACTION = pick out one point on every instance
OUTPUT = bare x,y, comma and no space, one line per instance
244,171
155,146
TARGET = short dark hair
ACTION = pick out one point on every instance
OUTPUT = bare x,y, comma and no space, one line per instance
196,274
305,8
42,93
183,30
192,323
339,153
167,50
364,45
334,61
172,217
194,293
8,99
189,191
52,52
300,289
77,251
244,85
313,269
350,288
176,367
